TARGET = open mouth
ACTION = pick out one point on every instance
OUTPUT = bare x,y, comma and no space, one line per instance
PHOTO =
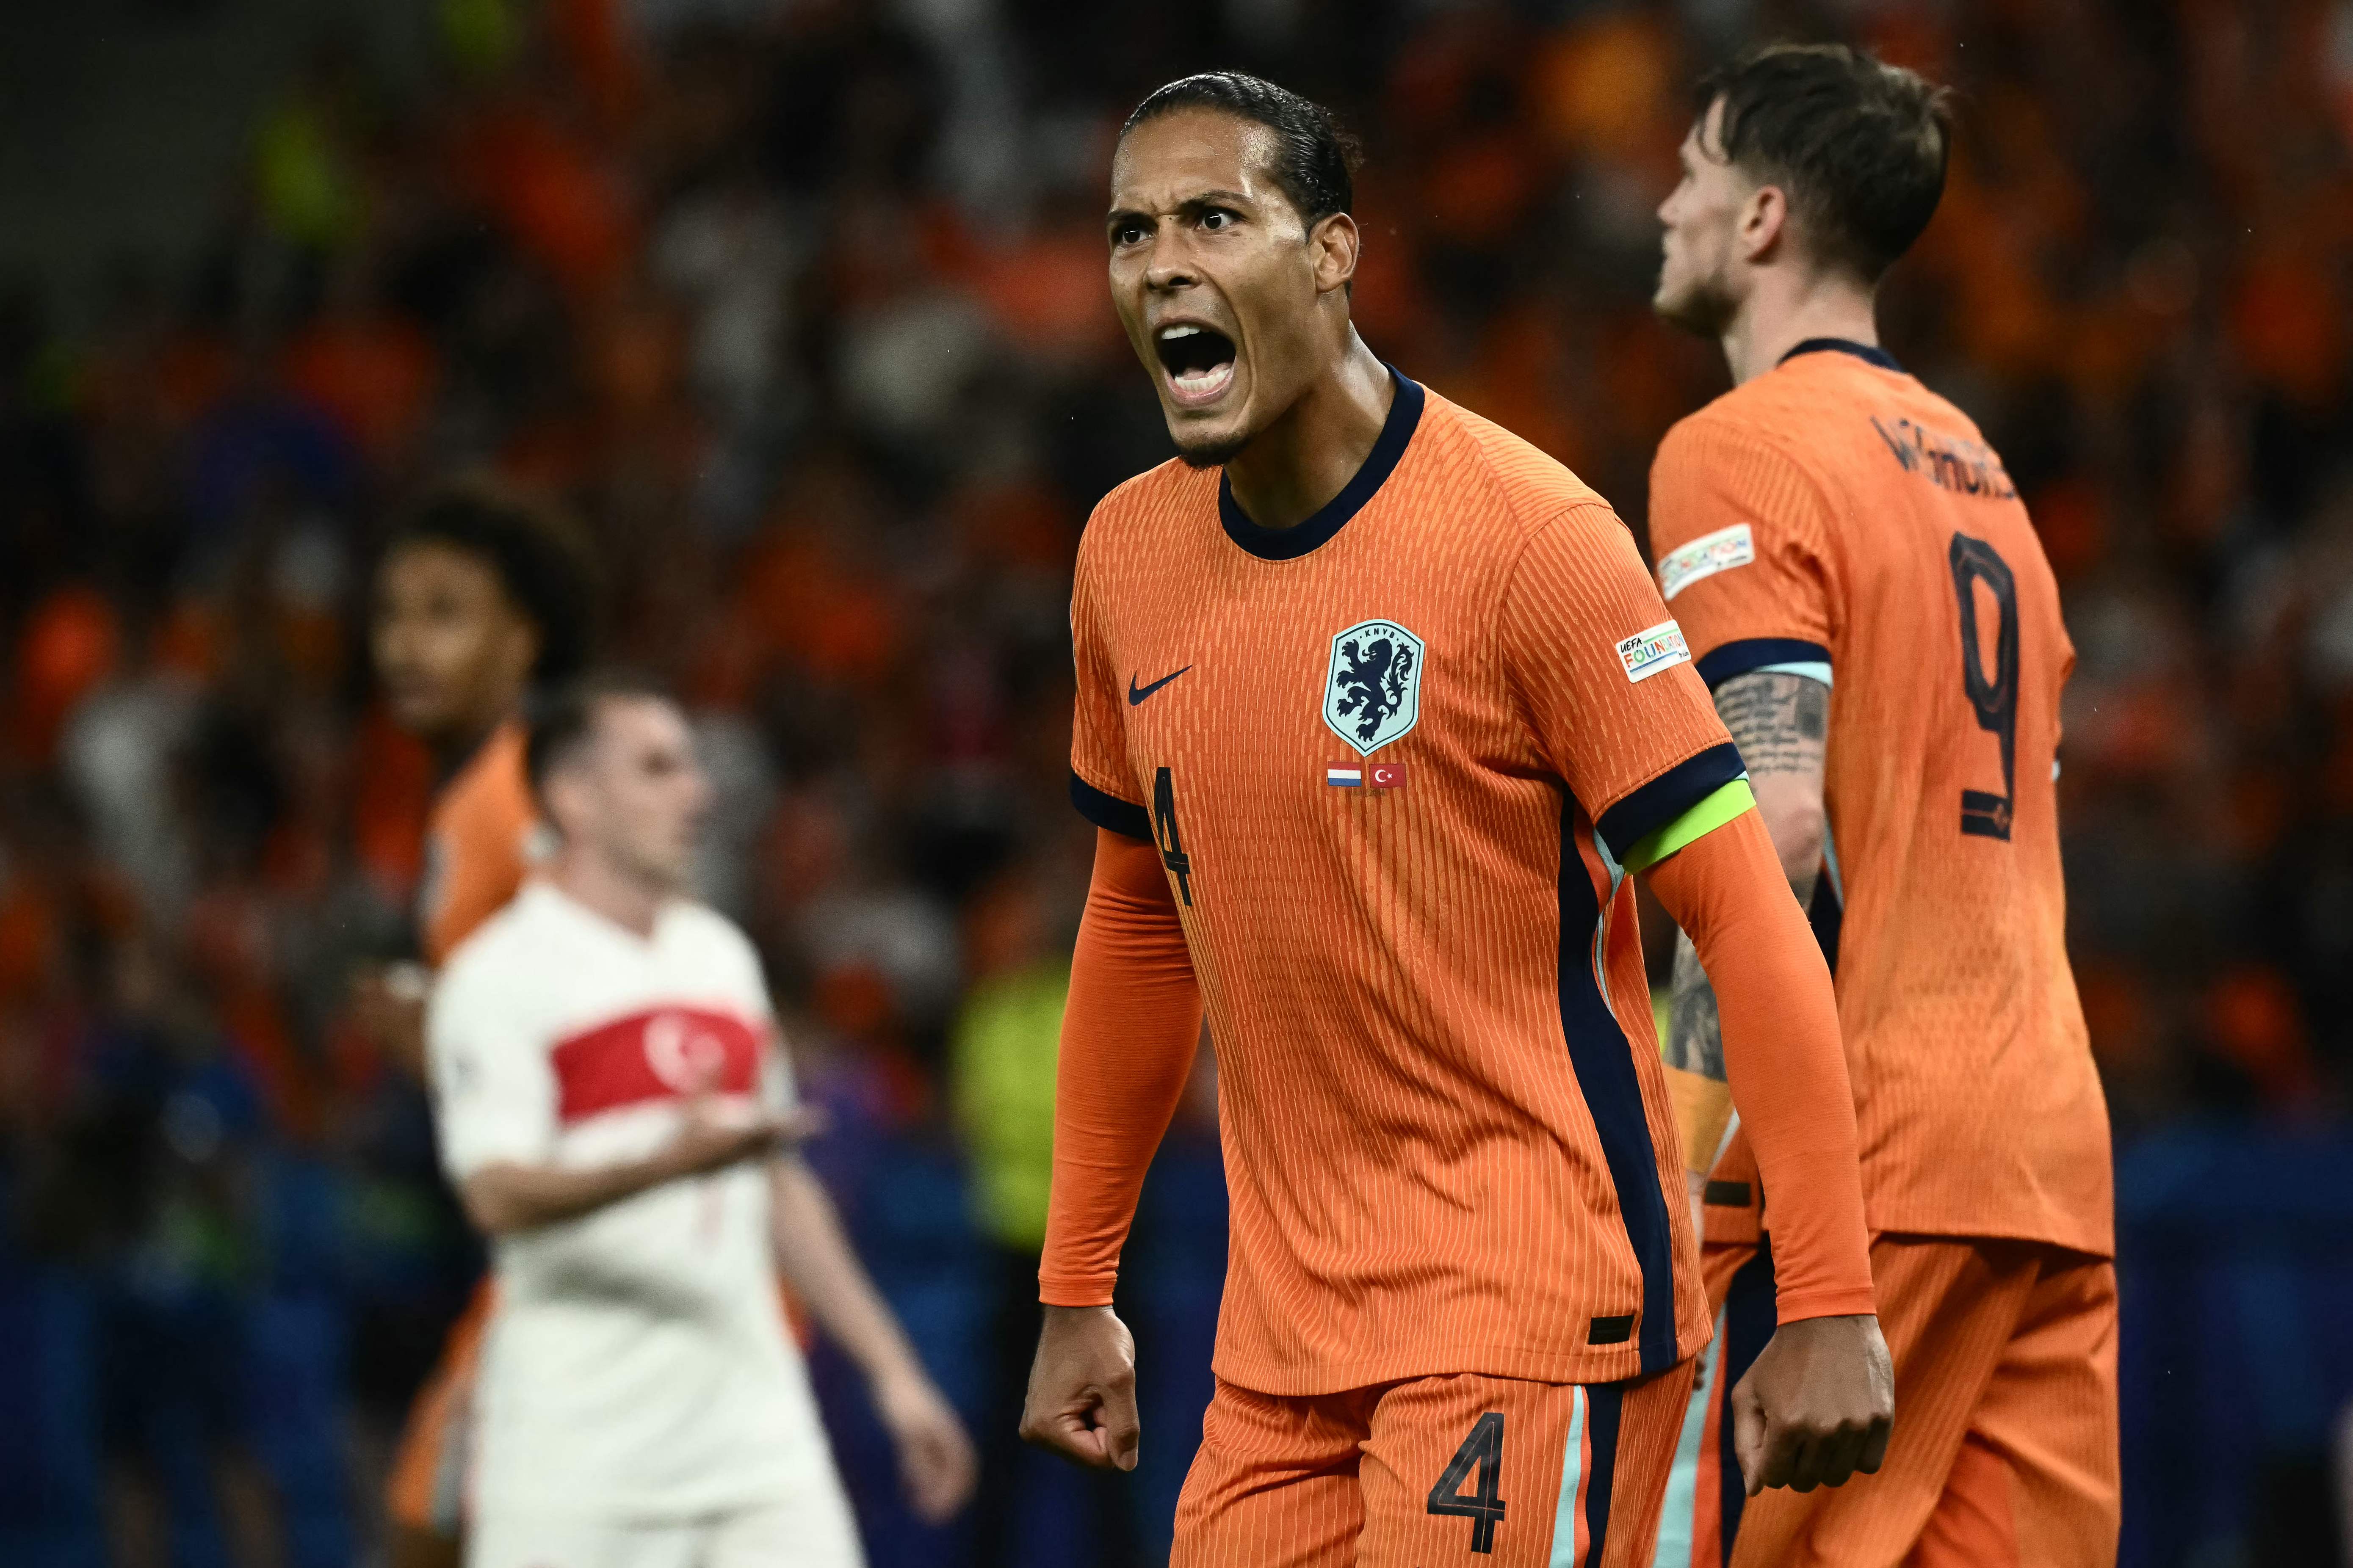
1200,362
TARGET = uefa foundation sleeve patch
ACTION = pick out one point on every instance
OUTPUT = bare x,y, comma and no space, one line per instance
1647,653
1705,557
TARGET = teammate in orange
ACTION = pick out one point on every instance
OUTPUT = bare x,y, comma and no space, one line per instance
1378,713
1867,598
480,596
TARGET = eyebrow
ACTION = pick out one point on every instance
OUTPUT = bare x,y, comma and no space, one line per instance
1186,208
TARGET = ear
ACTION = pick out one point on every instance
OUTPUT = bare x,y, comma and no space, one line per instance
563,797
523,647
1764,221
1333,245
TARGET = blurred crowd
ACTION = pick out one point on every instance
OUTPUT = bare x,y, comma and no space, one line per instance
799,305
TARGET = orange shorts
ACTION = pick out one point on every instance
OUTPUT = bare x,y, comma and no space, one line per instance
1465,1468
2004,1453
428,1488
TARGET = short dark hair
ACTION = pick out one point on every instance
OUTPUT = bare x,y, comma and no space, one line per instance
1859,146
563,719
536,554
1315,161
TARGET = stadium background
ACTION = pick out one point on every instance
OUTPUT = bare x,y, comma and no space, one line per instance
800,305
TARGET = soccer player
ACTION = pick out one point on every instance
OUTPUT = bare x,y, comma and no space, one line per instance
481,596
1866,597
1379,713
614,1109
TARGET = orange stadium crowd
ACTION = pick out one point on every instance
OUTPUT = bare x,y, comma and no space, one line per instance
800,310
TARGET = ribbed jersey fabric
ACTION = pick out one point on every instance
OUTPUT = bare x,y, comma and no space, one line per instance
1393,779
1834,517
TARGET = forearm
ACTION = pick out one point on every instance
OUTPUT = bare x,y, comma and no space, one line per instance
503,1198
1780,724
1782,1056
817,1258
1129,1030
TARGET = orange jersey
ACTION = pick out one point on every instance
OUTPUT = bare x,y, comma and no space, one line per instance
477,844
1835,518
1395,759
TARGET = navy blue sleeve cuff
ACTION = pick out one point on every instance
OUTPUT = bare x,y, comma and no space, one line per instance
1758,653
1109,810
1668,797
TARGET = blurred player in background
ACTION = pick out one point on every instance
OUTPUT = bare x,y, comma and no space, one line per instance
615,1108
480,596
1378,710
1869,602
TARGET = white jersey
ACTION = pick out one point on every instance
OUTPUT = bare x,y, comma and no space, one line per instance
638,1365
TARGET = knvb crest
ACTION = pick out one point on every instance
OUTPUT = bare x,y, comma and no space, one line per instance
1373,692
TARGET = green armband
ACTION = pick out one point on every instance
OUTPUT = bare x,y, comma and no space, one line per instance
1727,802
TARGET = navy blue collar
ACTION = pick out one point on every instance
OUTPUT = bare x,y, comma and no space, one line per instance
1862,351
1290,543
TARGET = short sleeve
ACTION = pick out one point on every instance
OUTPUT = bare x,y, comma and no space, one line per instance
778,1092
1102,786
1606,682
1740,533
493,1093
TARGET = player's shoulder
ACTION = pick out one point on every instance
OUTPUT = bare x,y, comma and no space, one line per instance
697,922
1137,509
530,920
500,959
493,792
1771,415
714,943
1780,449
1509,476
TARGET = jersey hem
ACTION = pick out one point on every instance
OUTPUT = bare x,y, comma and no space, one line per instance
2065,1240
624,1511
1732,1233
1615,1365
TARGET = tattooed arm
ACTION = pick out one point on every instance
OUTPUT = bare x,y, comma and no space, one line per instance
1781,724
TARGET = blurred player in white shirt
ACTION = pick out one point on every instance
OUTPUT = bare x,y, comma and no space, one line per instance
615,1108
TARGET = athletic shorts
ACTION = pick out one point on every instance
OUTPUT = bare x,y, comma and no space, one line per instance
811,1530
1486,1471
2004,1453
427,1487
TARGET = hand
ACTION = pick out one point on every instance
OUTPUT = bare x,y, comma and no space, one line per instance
1817,1406
715,1133
935,1456
1696,1188
1082,1399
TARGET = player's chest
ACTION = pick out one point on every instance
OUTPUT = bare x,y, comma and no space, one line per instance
622,1028
660,1050
1289,692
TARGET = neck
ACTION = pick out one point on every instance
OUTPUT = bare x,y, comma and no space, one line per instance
453,748
1784,310
1297,465
594,882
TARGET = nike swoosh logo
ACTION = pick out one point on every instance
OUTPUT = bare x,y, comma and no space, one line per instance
1136,694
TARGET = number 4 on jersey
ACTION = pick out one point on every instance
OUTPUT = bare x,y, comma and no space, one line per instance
1484,1450
1171,842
